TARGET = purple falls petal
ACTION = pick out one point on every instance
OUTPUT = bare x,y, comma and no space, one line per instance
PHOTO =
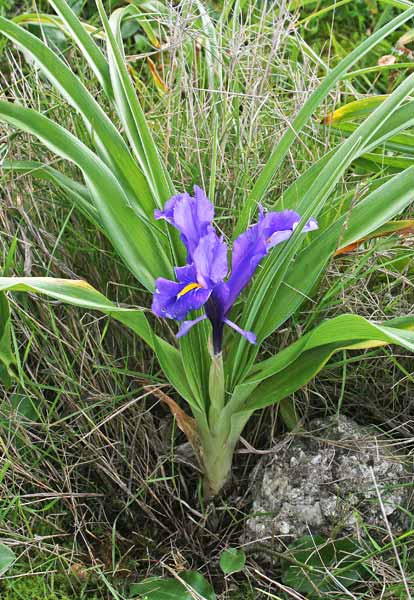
253,245
311,225
278,221
249,335
187,325
169,304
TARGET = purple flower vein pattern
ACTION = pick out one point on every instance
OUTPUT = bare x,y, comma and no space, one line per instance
204,280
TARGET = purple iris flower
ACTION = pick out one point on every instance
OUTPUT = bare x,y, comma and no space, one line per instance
202,282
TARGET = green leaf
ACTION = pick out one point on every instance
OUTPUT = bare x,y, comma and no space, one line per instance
372,212
281,149
355,109
318,558
130,110
89,49
52,21
7,359
80,293
110,144
290,369
157,588
136,240
212,56
7,558
263,296
232,561
77,192
401,119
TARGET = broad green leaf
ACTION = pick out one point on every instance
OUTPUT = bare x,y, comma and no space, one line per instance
133,119
405,227
196,359
263,296
138,242
130,110
371,213
46,20
7,558
290,369
232,561
401,119
315,560
158,588
390,137
355,109
281,149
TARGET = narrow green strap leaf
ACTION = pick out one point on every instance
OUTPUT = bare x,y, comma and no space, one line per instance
373,211
54,22
213,57
292,368
400,120
348,328
89,49
109,142
262,298
130,110
281,149
77,192
135,240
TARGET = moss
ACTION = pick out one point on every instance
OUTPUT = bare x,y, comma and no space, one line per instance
39,588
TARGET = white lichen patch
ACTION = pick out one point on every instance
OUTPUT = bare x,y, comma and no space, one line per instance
325,483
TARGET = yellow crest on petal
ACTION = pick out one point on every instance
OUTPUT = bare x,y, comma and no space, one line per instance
188,288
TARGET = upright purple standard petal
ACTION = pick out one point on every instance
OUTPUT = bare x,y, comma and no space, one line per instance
210,260
168,212
192,216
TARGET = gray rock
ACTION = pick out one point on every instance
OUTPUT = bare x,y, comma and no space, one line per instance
323,483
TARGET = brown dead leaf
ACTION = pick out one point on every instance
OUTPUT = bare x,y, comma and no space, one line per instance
185,423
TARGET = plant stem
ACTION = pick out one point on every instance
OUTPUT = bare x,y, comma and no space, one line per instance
217,455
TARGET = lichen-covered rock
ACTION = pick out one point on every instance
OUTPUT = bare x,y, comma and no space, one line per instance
327,482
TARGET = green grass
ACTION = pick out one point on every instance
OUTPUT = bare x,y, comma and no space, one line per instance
96,475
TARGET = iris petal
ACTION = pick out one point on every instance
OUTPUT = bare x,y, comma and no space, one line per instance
201,281
168,303
187,325
210,260
249,335
191,215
